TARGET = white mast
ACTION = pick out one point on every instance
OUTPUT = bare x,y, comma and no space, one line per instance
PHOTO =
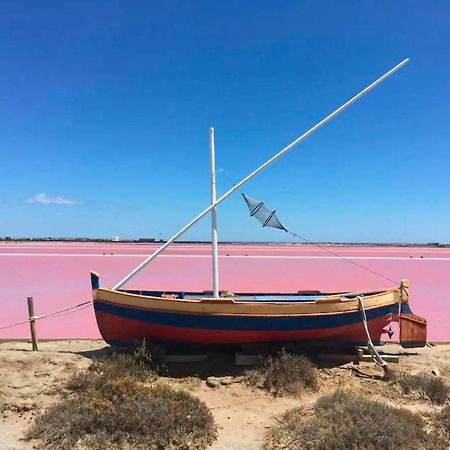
259,169
215,257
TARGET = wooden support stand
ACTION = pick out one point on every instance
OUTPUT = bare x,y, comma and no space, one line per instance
243,359
32,323
388,358
181,358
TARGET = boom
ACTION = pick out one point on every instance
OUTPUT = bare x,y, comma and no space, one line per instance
258,170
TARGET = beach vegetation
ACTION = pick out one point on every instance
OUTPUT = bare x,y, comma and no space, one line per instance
442,421
118,403
427,386
346,420
284,374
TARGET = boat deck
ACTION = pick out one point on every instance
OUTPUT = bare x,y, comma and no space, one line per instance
238,297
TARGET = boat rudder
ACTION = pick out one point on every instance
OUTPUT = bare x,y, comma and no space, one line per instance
413,328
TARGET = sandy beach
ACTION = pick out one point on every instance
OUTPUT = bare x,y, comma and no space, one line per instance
30,382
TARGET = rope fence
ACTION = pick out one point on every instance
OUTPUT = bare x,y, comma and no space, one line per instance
62,312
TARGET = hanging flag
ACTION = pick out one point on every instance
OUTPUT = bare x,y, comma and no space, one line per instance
266,216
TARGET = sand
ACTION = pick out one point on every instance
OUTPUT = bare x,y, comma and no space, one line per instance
29,382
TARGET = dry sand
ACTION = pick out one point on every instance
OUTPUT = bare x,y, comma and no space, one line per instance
29,382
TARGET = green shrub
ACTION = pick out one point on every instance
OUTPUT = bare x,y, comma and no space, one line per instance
108,406
345,420
149,357
284,374
428,386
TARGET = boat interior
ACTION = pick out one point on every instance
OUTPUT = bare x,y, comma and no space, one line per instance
301,296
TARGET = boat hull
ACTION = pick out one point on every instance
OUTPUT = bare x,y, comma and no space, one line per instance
124,327
331,319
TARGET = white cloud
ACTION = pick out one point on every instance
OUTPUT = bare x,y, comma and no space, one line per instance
47,200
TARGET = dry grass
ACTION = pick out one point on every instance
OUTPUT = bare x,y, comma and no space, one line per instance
109,406
344,420
427,386
284,374
442,421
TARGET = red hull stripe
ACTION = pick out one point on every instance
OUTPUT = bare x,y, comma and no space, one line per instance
229,322
115,329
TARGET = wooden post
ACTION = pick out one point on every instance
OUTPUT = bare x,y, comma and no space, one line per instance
32,323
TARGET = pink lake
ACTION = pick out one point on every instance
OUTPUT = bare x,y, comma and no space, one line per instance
56,275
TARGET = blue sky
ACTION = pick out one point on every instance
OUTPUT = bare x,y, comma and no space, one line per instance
105,109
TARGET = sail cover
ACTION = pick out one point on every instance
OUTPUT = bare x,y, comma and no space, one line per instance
266,216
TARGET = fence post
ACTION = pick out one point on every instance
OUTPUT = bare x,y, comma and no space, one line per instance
32,323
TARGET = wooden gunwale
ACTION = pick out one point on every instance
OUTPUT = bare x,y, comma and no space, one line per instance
194,306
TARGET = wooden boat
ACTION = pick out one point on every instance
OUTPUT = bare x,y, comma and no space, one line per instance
344,318
125,317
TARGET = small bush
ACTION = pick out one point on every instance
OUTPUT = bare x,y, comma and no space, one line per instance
428,386
149,357
80,381
108,406
442,420
118,365
112,367
284,374
344,421
143,364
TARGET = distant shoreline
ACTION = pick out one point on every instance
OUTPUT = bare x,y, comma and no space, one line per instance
153,241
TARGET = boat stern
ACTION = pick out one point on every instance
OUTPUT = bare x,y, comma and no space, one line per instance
413,329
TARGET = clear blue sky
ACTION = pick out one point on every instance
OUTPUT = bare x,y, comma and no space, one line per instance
105,109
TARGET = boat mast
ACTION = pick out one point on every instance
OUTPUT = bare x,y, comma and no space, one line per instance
215,257
259,169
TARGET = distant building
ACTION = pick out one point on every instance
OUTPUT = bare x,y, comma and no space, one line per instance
146,240
115,239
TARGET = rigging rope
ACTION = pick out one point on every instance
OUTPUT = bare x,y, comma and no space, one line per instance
59,313
361,266
373,351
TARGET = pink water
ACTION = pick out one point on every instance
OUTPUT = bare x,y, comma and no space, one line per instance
57,276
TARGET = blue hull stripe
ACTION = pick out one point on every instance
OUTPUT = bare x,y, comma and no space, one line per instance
405,309
249,323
